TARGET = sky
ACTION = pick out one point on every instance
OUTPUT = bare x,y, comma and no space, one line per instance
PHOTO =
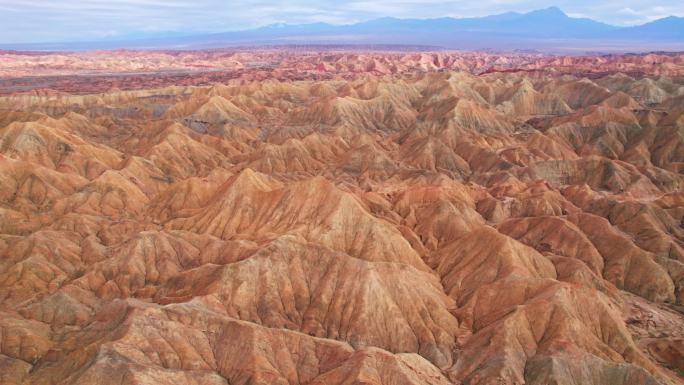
27,21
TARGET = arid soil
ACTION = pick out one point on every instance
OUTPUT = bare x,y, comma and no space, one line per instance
102,71
342,218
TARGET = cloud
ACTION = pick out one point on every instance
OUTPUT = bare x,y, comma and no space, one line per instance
24,21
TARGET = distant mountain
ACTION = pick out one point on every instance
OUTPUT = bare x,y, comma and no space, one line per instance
547,29
549,22
668,28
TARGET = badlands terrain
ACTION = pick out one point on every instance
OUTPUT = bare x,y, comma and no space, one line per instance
296,217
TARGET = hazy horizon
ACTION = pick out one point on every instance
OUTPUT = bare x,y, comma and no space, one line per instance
37,21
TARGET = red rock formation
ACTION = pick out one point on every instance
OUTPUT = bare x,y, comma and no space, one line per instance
347,218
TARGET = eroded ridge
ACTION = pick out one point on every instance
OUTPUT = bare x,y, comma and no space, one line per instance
398,227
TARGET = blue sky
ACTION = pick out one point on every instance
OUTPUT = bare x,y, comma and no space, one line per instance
23,21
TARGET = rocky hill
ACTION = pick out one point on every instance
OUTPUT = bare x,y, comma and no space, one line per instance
483,220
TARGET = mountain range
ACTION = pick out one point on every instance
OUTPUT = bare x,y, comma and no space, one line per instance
547,29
